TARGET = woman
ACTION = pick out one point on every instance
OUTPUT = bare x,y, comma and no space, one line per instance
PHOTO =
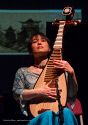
26,78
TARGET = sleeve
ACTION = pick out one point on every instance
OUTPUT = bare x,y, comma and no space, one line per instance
18,85
72,88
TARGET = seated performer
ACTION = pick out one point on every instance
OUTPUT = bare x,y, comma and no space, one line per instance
26,77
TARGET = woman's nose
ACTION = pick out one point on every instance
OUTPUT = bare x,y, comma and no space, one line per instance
39,41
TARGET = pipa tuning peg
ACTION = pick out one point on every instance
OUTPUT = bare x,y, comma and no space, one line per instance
68,12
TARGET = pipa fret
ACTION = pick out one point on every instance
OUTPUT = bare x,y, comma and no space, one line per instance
51,72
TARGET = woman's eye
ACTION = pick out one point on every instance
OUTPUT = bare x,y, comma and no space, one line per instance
43,40
35,41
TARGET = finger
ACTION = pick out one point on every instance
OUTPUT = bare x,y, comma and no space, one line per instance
49,83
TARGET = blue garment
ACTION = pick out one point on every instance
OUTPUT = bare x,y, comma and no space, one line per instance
51,118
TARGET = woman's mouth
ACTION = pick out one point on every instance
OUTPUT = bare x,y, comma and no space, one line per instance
40,47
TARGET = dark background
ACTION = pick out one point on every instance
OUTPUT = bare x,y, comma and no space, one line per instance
75,51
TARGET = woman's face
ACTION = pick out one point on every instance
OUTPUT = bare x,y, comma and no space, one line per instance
40,45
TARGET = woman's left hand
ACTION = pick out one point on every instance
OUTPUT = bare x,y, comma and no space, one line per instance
63,65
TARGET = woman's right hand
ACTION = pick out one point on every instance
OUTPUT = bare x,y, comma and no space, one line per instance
47,91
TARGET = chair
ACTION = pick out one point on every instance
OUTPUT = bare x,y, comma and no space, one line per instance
76,108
